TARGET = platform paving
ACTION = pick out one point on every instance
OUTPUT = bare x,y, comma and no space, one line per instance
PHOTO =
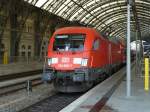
20,67
138,102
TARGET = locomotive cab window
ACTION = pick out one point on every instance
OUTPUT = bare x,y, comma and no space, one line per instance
96,45
69,42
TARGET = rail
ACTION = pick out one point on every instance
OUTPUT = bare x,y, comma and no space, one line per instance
17,81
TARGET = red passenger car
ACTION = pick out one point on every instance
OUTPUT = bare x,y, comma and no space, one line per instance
80,56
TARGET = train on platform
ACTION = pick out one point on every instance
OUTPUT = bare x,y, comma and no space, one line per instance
78,57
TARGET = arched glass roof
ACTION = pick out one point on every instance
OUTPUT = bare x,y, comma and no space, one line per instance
101,14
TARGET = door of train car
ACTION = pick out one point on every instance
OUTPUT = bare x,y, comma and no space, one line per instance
110,54
110,66
94,52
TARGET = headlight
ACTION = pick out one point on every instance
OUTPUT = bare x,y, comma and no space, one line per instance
49,61
52,61
77,60
84,62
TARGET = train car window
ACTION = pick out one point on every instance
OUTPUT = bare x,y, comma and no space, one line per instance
96,44
69,42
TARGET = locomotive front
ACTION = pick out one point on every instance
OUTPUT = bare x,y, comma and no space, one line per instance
68,63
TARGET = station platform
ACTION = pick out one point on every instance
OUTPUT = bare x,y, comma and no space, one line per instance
110,96
138,102
6,69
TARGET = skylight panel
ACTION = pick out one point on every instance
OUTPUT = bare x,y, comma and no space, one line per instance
40,3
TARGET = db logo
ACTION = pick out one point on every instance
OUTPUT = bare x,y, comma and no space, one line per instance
65,60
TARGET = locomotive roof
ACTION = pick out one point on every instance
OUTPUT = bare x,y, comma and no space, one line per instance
84,30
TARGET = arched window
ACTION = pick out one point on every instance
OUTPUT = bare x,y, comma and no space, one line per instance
2,47
29,47
23,47
29,54
44,43
23,53
43,47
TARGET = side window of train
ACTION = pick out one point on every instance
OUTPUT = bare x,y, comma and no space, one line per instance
96,44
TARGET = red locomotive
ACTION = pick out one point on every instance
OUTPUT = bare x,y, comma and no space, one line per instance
78,57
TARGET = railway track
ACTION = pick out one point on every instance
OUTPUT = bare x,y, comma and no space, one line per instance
13,82
54,103
19,75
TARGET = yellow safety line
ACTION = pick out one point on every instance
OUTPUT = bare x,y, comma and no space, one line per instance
146,74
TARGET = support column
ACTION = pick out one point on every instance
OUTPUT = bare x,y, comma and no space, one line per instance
137,64
1,52
0,38
13,25
37,36
128,75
